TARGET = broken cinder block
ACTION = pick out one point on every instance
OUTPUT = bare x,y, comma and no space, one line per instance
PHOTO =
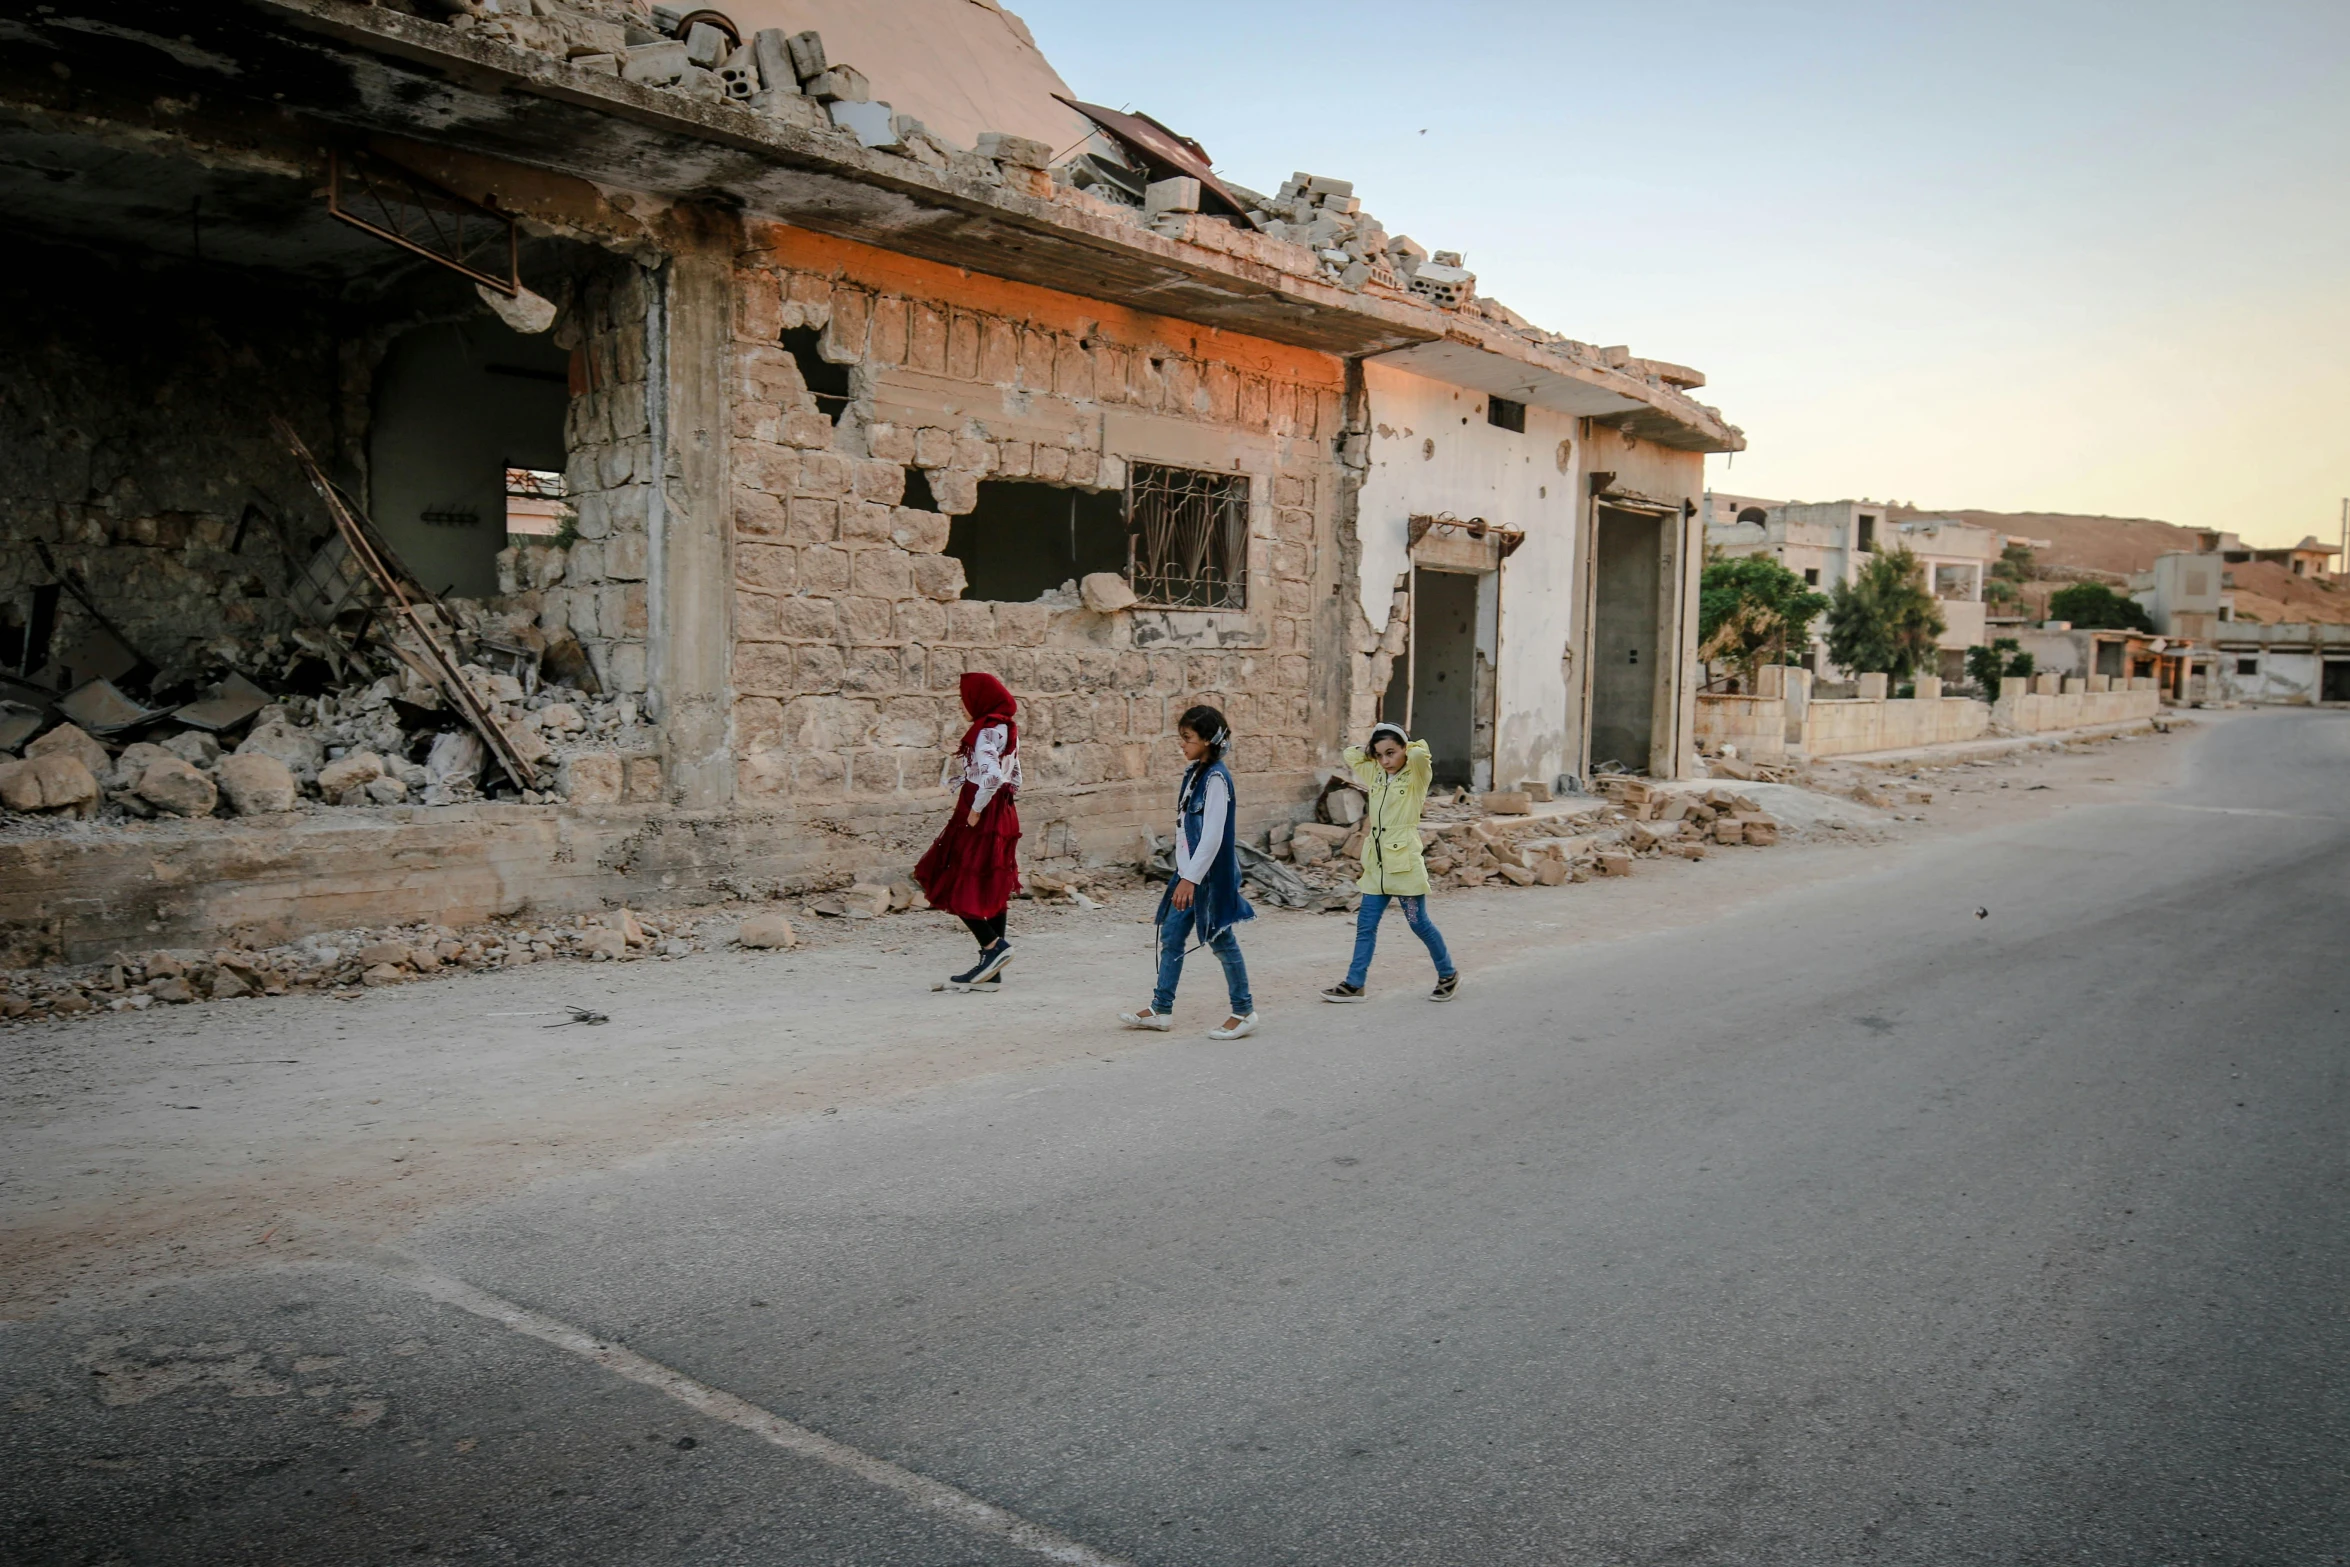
807,55
840,84
706,46
655,65
1021,152
770,51
1178,194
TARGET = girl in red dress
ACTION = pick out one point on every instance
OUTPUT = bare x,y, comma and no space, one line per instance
971,871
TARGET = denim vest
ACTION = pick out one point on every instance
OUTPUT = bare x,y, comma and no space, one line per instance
1217,904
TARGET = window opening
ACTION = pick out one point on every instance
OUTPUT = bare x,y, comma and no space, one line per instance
534,502
1868,533
918,494
1811,576
1024,539
2247,666
1188,537
827,382
1754,514
1504,414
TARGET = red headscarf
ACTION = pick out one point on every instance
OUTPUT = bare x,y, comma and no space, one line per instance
988,701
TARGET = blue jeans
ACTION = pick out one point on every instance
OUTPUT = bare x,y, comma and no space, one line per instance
1174,936
1415,914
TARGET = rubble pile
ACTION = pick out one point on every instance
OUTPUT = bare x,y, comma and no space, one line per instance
1513,840
1314,226
388,742
346,962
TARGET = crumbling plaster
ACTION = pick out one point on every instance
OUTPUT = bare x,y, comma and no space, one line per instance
1433,452
851,628
1635,466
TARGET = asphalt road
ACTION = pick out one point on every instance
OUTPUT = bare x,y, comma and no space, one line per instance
1857,1229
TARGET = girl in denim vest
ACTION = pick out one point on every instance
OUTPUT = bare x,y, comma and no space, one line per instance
1393,773
1205,893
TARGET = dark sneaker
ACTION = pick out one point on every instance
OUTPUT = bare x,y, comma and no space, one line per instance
1446,988
988,969
1343,993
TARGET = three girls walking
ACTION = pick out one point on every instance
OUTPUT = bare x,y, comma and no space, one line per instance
971,870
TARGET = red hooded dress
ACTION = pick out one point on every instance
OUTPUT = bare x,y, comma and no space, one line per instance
972,872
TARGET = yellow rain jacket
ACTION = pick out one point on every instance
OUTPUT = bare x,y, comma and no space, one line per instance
1392,862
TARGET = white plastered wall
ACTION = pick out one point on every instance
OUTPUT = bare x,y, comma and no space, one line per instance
1433,451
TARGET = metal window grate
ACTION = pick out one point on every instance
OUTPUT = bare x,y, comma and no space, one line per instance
1187,537
397,204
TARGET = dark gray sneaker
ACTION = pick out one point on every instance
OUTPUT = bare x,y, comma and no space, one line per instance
1446,988
1343,992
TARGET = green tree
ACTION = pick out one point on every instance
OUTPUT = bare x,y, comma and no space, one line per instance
1886,620
1752,610
2094,606
1986,666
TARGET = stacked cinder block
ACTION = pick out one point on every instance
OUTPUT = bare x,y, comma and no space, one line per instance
851,629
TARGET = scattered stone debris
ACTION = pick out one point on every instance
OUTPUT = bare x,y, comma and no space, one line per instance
344,963
1512,840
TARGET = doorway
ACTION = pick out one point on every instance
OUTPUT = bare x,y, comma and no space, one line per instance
1447,698
2334,683
456,405
1627,578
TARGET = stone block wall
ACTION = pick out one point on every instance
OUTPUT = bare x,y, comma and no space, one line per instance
597,589
851,628
134,428
1841,728
2039,712
1757,725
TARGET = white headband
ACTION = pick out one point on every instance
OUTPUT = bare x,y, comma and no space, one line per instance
1390,729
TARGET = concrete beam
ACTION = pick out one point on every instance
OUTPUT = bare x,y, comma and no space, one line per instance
690,559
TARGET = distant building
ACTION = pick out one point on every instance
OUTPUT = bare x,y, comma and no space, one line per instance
2308,558
2186,594
1827,542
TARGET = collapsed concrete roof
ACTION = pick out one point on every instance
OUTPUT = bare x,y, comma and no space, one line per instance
304,70
959,66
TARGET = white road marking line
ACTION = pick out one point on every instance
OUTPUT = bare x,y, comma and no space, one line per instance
932,1496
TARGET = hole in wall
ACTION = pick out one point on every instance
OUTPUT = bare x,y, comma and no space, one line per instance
456,405
827,382
1025,539
918,494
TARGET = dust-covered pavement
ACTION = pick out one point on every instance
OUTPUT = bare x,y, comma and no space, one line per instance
1769,1207
172,1140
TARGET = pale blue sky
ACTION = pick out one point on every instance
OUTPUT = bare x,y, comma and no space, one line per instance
2066,256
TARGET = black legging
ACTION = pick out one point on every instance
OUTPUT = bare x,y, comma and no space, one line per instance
989,930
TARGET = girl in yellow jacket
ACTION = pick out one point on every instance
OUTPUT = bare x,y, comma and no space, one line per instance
1393,772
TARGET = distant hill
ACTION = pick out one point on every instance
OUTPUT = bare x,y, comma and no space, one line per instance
2109,545
2111,548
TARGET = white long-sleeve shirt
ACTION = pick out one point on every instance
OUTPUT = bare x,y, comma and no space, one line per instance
986,766
1193,859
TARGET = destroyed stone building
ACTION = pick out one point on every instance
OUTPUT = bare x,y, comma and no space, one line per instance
713,406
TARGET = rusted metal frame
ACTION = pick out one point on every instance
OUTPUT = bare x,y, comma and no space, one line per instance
435,663
1506,540
509,285
1167,530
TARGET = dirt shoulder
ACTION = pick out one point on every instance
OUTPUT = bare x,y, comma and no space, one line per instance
177,1140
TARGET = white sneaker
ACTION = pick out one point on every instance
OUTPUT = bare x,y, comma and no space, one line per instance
1157,1022
1240,1030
